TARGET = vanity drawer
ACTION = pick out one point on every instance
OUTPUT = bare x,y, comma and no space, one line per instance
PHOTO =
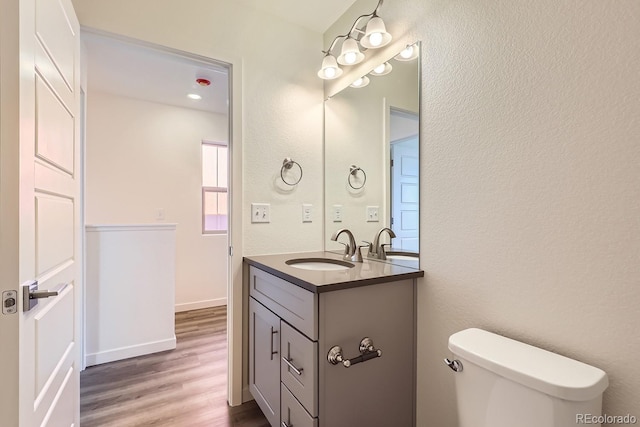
295,305
301,354
292,413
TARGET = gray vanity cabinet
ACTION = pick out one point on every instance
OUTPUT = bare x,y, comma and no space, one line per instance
305,388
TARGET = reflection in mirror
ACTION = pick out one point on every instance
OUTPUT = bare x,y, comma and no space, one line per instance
376,129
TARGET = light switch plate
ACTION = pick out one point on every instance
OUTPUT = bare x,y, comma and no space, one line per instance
260,212
372,214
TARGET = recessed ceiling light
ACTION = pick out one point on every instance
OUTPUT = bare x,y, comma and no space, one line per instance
194,96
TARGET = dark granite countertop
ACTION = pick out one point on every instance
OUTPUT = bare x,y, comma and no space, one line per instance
368,272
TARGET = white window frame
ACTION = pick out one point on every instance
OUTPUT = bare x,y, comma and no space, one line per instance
206,190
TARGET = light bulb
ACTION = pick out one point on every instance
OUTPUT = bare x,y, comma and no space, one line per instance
350,57
379,69
406,53
330,72
329,69
361,82
375,39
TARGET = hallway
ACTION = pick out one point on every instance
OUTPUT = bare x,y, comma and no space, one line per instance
183,387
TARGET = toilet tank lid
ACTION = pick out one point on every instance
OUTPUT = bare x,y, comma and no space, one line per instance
539,369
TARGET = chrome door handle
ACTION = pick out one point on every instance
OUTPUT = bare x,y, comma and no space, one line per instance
31,294
46,293
291,365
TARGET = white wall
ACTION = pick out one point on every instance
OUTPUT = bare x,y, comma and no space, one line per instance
143,156
530,182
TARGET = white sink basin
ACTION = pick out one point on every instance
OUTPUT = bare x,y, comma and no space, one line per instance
403,257
319,264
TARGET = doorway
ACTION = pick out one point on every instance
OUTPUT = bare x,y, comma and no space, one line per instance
148,111
405,173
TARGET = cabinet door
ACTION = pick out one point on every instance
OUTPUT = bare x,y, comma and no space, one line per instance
264,360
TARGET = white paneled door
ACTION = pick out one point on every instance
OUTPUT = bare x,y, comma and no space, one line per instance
40,212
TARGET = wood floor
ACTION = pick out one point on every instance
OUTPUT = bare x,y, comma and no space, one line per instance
183,387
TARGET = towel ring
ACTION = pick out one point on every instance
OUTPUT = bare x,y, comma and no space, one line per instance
353,171
287,164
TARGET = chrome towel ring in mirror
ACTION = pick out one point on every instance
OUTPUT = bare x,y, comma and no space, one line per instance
353,172
287,164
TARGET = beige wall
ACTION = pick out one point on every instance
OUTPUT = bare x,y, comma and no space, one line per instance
530,195
143,156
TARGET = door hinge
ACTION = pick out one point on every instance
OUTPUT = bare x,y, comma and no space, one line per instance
9,302
230,250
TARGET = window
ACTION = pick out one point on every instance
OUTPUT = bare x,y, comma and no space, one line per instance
214,188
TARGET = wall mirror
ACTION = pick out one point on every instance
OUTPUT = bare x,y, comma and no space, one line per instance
372,160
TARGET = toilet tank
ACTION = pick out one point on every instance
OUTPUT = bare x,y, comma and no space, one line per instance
507,383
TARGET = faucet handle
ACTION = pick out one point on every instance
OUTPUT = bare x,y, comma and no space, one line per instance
383,254
369,244
347,249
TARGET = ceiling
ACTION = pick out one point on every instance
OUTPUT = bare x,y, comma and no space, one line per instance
135,71
312,14
140,72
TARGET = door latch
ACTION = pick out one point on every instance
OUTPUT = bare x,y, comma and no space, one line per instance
9,302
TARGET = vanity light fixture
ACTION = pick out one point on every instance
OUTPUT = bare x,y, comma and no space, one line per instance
382,69
409,53
350,54
373,36
361,82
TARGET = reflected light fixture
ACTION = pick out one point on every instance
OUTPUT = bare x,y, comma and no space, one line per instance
361,82
194,96
372,36
382,69
409,53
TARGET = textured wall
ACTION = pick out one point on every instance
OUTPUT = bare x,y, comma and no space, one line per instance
141,156
530,198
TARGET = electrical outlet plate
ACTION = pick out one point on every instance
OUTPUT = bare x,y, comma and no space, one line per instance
337,213
260,212
372,214
307,212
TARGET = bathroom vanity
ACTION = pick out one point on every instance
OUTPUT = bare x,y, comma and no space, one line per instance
332,347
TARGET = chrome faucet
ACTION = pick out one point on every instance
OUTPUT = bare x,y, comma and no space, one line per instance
351,250
376,249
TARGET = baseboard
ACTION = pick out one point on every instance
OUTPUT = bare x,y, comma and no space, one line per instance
131,351
200,304
246,394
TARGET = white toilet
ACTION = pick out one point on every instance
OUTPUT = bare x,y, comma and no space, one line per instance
501,382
